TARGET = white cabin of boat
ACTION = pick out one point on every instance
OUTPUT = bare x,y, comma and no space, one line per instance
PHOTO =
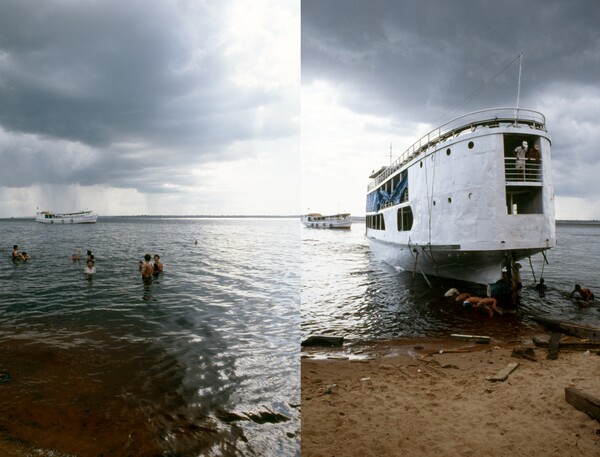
455,204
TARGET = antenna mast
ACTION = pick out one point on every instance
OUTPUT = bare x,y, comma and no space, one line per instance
519,84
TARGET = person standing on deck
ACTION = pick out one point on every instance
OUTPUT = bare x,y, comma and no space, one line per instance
520,153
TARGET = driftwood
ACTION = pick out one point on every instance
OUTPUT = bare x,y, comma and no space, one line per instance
583,402
321,340
582,331
504,373
478,339
569,345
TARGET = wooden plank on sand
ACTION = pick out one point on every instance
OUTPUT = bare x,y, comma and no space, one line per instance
553,346
582,331
570,345
504,373
583,402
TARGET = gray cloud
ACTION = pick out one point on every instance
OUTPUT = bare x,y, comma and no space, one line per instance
142,90
419,61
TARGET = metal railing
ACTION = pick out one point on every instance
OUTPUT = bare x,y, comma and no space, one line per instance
532,171
491,117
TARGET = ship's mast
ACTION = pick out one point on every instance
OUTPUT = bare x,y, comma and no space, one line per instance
519,84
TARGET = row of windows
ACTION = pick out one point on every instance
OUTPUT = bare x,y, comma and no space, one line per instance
404,220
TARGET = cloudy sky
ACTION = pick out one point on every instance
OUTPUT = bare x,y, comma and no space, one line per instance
384,72
150,107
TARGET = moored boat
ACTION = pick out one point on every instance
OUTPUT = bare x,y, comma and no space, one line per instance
334,221
468,199
80,217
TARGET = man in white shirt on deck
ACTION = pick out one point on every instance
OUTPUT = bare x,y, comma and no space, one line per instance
520,153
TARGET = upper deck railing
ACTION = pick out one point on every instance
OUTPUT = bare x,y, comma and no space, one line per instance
491,117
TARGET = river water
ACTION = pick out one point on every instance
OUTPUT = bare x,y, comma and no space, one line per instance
202,361
348,292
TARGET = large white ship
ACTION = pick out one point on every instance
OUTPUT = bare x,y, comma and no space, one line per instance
463,202
80,217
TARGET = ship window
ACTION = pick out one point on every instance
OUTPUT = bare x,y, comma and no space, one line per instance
524,200
376,222
421,164
471,144
404,219
448,152
449,199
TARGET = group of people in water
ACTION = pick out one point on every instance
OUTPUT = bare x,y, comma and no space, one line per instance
150,269
16,255
489,305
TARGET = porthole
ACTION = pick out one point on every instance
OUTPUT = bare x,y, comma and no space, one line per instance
448,151
421,164
470,195
434,203
449,199
471,144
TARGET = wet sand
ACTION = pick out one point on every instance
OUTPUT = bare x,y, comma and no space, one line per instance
404,397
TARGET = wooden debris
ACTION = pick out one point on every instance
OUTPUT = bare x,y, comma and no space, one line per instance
322,340
504,373
553,346
524,353
581,345
582,331
583,402
478,339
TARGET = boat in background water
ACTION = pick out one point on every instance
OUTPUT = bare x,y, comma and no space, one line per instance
334,221
80,217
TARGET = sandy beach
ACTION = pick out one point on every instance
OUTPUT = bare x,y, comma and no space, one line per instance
405,397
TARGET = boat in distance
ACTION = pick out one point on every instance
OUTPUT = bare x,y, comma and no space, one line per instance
468,199
333,221
80,217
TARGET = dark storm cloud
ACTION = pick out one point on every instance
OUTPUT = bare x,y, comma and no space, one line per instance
140,86
433,54
419,61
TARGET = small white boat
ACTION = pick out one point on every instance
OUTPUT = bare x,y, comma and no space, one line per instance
81,217
334,221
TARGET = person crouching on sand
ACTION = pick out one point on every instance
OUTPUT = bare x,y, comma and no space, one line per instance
148,269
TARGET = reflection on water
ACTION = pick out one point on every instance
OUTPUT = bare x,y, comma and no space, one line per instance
201,361
348,292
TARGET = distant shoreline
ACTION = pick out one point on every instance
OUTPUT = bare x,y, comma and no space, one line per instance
152,216
262,216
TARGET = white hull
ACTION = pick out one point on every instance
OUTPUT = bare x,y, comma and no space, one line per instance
335,221
465,211
82,217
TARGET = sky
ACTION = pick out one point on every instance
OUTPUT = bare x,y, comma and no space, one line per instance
379,74
178,107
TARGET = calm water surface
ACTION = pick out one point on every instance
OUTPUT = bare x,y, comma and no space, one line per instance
348,292
203,361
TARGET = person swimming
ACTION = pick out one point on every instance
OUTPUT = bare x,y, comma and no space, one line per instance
584,294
